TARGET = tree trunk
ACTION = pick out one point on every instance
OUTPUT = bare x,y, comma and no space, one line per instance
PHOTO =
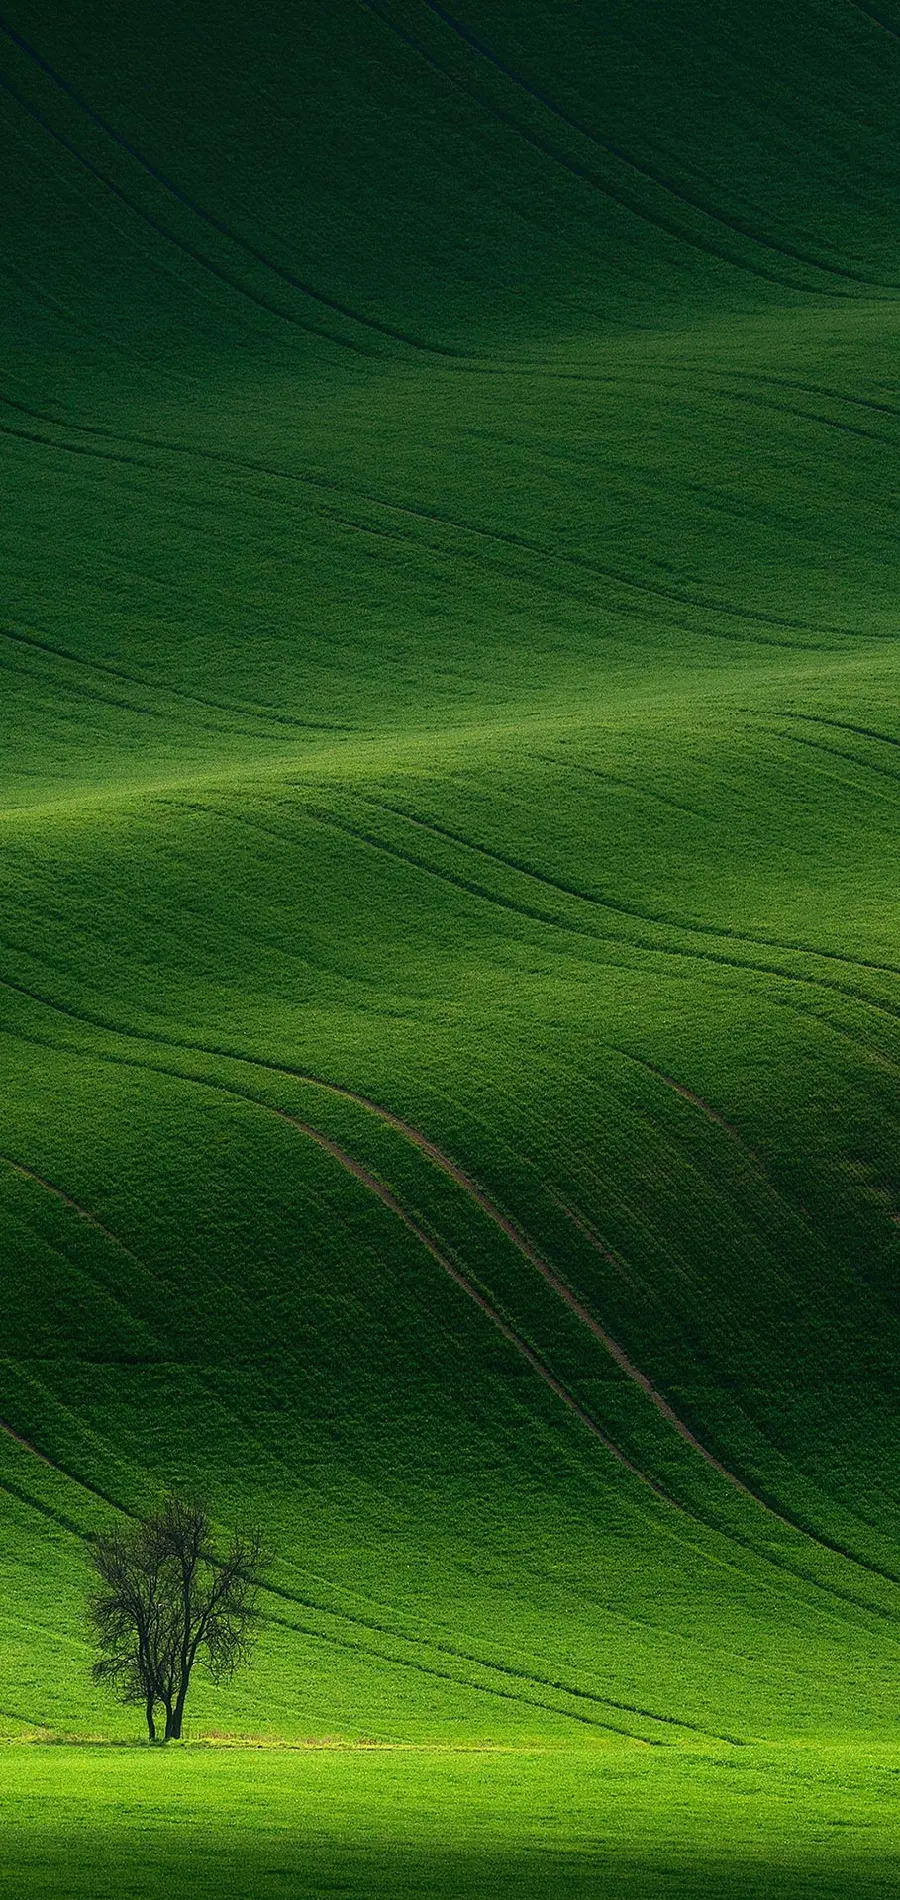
151,1725
175,1716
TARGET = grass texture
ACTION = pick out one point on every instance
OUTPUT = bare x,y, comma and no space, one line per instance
448,962
588,1822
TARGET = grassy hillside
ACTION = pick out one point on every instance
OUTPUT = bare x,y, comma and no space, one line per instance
449,814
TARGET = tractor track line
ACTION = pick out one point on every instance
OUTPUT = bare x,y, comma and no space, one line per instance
385,1195
626,910
515,1234
501,1668
177,244
310,1603
835,752
465,1682
328,303
47,1510
611,778
845,725
615,195
613,150
454,1172
877,19
531,911
501,537
764,1555
389,1200
27,1721
401,1662
237,713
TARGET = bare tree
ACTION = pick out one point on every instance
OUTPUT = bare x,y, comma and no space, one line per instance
163,1598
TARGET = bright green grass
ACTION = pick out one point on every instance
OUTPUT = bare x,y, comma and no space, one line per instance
448,803
599,1822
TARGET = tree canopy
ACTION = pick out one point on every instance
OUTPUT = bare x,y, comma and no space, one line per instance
164,1598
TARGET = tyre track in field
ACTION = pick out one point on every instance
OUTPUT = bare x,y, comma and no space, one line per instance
338,1614
35,1453
823,390
341,1615
333,305
525,1247
735,226
845,725
179,245
530,911
53,1516
580,564
379,1190
611,778
389,1200
441,1159
833,773
84,202
783,408
796,1212
422,1667
345,1616
265,1064
834,752
336,306
874,18
704,1107
237,713
81,689
27,1721
149,1273
516,1235
764,1554
642,213
158,1285
718,1120
90,1220
439,1647
36,1504
607,903
481,1688
155,1282
510,1228
504,538
455,1173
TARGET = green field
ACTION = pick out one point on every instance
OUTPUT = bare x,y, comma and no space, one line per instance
448,954
594,1823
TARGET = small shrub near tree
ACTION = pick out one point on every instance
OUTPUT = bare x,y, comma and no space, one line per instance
164,1599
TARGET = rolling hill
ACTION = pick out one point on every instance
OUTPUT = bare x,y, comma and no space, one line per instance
450,775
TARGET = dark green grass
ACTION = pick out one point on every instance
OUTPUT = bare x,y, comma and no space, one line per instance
449,821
